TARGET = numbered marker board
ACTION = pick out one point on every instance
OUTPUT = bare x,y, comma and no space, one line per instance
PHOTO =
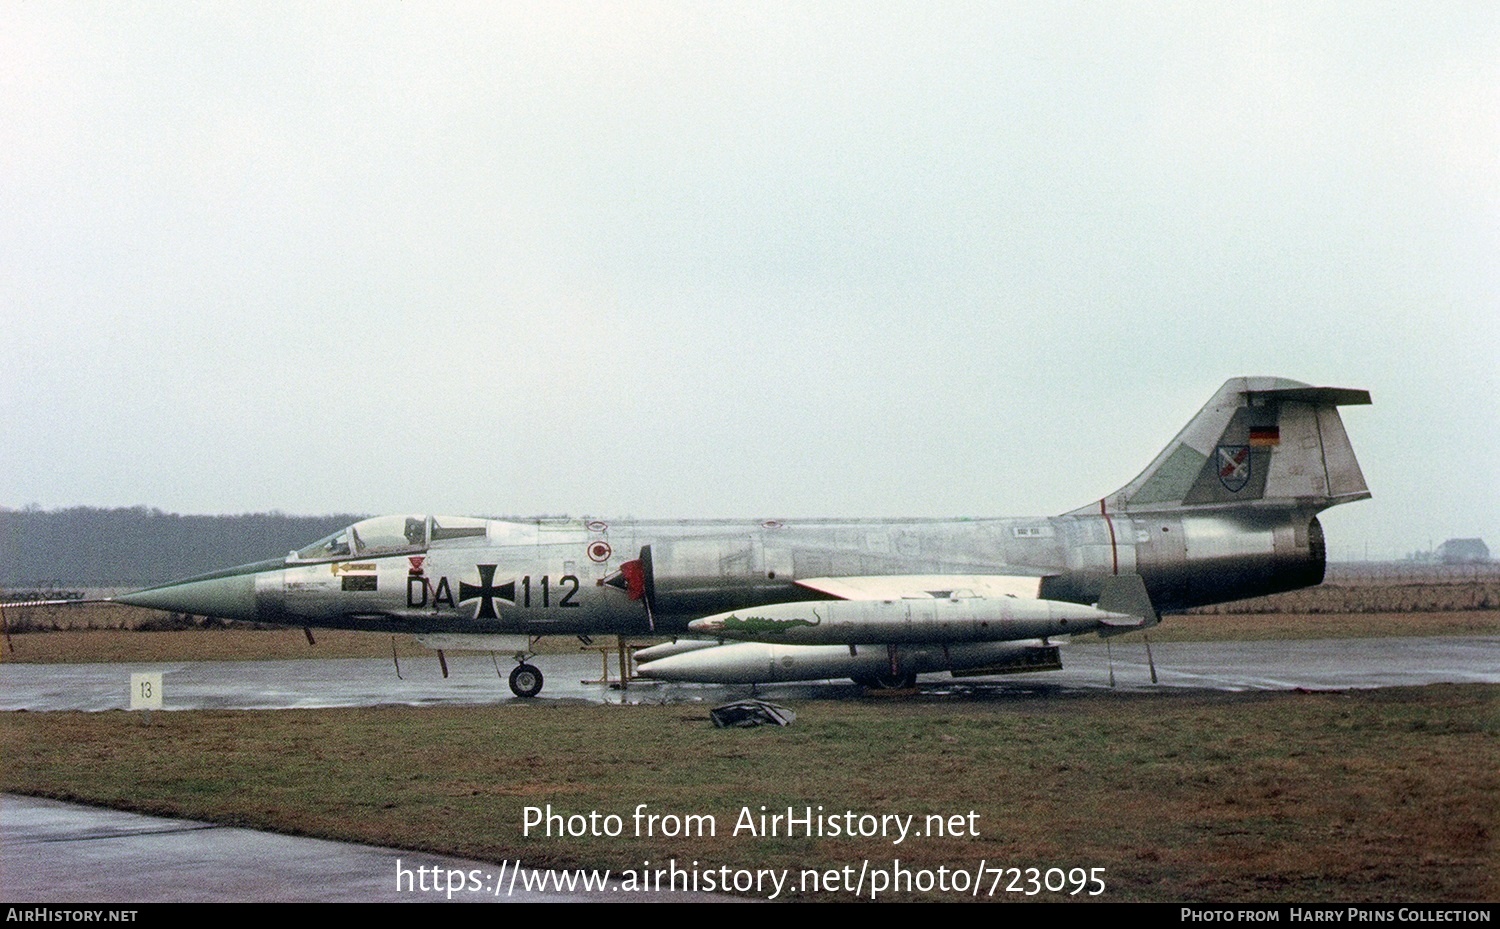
145,691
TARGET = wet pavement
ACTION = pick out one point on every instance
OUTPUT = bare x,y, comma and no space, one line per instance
66,853
1311,664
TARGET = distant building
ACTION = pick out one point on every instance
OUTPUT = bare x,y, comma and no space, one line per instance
1463,551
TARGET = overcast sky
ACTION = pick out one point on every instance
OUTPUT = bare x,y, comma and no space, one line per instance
718,259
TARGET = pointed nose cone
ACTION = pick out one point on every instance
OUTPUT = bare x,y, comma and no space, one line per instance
707,625
229,595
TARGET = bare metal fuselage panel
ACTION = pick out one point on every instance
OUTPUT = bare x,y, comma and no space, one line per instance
552,577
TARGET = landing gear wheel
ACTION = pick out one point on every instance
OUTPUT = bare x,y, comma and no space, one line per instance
526,680
890,681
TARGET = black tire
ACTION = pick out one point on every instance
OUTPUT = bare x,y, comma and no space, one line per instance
891,681
526,680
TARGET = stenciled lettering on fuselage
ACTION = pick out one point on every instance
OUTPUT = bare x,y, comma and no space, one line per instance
356,577
524,592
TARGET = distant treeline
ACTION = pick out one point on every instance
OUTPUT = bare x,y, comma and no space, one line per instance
136,546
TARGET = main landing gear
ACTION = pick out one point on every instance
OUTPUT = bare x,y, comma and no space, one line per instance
888,681
893,679
526,680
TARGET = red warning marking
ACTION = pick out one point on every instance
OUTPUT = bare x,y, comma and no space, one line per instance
635,578
597,525
599,551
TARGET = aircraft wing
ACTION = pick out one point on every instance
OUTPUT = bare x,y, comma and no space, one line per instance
917,586
883,631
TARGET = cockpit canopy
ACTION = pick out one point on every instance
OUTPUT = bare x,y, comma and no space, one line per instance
382,535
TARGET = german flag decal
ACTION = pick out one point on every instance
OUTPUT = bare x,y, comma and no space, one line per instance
1265,436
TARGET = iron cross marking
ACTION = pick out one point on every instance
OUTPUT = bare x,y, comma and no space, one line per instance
488,591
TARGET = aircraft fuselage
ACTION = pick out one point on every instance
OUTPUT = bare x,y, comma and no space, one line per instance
562,576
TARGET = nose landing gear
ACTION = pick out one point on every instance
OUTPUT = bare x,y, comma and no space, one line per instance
526,680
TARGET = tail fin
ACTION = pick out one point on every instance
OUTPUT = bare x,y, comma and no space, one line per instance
1260,440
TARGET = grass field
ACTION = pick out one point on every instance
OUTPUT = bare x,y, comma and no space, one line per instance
1386,795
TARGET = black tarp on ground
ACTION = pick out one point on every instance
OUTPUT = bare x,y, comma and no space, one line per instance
747,713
